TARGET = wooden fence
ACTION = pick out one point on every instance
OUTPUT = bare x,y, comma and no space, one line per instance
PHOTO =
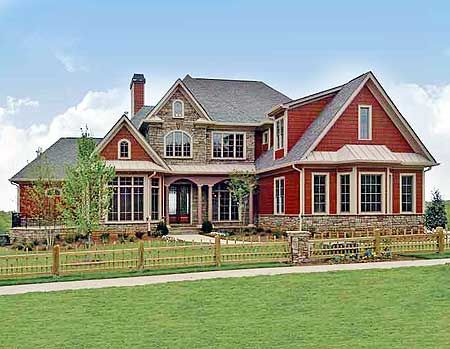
58,262
380,245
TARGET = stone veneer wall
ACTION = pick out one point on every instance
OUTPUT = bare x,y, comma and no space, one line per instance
341,223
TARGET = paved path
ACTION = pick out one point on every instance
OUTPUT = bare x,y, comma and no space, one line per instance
158,279
202,238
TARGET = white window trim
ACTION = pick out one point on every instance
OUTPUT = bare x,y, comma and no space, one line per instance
182,109
129,149
360,106
338,192
266,132
132,202
327,192
150,186
178,157
218,220
275,132
228,158
413,193
275,196
383,193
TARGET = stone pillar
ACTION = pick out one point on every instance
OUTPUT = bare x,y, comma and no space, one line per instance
250,208
199,204
299,245
210,208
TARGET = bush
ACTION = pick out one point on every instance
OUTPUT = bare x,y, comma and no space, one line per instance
161,229
139,235
435,214
207,227
104,237
260,230
122,237
268,231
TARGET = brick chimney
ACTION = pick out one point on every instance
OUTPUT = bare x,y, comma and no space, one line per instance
137,87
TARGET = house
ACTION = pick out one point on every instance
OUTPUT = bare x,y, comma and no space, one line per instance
343,158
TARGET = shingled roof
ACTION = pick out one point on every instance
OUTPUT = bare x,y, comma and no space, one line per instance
237,101
60,155
137,118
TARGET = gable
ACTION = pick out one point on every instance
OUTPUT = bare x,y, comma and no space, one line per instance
345,129
190,111
110,150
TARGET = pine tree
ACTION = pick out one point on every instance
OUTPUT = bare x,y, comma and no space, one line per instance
435,214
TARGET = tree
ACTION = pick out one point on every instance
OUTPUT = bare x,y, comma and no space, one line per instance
86,191
240,186
435,214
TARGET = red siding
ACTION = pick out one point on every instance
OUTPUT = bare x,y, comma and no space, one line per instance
345,130
265,195
259,147
137,151
308,179
396,191
301,117
332,189
279,153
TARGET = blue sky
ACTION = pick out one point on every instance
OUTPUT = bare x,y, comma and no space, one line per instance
65,64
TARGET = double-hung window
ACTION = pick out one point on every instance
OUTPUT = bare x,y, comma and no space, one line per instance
365,122
279,195
279,133
228,145
127,201
155,194
345,195
371,193
225,207
124,149
320,193
265,137
407,193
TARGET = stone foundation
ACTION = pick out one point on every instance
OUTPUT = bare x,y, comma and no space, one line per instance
342,223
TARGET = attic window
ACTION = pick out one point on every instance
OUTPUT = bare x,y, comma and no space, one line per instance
178,109
265,137
124,149
365,122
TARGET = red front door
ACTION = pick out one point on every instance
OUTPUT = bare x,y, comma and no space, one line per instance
180,203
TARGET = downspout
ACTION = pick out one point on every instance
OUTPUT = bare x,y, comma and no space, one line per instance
300,201
149,199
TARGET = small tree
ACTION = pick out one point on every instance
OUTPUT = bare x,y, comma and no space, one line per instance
240,186
435,214
86,191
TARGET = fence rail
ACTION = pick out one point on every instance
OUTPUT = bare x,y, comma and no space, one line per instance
58,262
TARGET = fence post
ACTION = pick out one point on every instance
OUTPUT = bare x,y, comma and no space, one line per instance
55,260
217,251
377,246
141,255
440,239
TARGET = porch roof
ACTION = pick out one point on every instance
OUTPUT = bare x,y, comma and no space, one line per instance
212,168
133,165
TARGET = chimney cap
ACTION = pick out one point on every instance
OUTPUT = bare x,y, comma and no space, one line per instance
137,78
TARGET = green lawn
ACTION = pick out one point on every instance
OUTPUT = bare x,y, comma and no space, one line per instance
428,255
5,221
401,308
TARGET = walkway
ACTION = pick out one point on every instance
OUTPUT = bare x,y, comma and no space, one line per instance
158,279
202,238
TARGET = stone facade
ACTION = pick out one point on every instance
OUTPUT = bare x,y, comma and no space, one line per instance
342,223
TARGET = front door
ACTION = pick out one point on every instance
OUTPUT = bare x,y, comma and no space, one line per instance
180,203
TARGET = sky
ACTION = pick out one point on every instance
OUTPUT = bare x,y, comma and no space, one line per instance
64,65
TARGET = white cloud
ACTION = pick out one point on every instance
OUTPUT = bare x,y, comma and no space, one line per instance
98,110
14,105
70,62
427,108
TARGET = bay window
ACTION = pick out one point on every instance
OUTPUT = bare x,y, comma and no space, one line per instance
320,193
345,196
371,193
407,193
228,145
127,201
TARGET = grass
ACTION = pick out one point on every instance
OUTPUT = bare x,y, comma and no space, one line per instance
5,221
432,255
358,309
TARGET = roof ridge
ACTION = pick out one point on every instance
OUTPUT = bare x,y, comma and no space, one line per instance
221,79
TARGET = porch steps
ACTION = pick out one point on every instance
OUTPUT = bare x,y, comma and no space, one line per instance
175,229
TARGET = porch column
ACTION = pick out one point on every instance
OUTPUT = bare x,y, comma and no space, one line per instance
166,203
250,207
210,208
199,204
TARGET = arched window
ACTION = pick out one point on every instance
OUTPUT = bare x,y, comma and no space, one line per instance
225,207
124,149
178,109
178,144
53,192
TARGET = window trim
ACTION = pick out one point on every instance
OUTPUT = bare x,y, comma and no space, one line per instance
275,180
178,157
327,192
129,149
219,220
368,106
413,175
229,132
383,192
150,187
338,192
275,138
182,109
266,132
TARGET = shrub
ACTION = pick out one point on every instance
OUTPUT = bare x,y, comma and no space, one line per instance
260,230
161,229
268,231
104,237
139,234
122,237
435,215
207,227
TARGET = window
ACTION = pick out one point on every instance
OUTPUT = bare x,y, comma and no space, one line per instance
225,208
371,193
279,195
320,193
53,192
178,109
155,199
344,193
265,137
365,122
178,144
228,145
407,193
279,133
127,202
124,149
